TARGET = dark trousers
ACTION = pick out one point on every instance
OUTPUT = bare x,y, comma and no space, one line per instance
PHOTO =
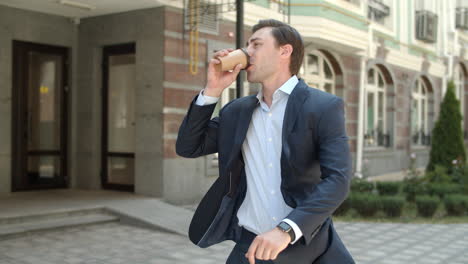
237,255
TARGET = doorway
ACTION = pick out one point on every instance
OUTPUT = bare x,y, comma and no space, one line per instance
118,127
39,123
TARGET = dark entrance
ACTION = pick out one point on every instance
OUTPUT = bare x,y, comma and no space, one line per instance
118,127
39,144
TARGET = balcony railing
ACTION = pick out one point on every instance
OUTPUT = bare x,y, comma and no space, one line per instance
422,138
377,138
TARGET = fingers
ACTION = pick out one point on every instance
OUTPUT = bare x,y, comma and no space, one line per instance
251,252
266,254
215,61
274,254
221,53
260,249
237,69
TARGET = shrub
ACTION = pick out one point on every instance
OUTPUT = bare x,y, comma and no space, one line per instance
388,188
456,205
392,205
361,186
443,189
460,175
447,136
366,204
427,205
344,207
412,188
439,174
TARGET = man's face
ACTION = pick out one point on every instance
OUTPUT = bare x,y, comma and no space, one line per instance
264,56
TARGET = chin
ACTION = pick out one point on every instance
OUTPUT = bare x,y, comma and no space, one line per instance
252,79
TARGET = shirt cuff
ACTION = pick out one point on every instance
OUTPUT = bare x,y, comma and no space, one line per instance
206,100
297,230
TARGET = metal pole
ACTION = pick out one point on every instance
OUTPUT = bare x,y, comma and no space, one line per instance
239,42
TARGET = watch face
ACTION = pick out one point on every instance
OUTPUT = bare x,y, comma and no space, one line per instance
284,226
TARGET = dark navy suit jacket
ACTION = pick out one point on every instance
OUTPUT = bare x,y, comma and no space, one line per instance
315,171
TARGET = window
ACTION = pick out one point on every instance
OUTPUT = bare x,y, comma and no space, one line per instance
425,5
318,72
379,11
376,131
461,15
201,15
420,132
459,80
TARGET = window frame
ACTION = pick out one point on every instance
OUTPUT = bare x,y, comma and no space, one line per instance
419,97
319,80
375,89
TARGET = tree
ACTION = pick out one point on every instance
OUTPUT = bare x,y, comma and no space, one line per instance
447,137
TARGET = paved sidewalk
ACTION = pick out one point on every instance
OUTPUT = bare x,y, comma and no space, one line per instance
116,243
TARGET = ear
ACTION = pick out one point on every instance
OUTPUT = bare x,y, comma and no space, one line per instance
286,50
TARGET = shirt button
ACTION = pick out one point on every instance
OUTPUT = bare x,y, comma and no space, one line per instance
271,164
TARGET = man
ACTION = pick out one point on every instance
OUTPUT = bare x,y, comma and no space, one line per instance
284,160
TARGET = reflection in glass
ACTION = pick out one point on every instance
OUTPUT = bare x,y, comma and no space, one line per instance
43,102
370,76
327,70
120,170
121,109
312,66
381,81
370,112
414,116
43,167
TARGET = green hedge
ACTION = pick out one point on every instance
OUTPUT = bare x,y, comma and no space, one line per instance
427,205
413,189
456,204
442,189
344,207
388,188
361,186
366,204
392,205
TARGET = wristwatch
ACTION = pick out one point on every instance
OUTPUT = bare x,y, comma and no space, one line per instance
285,227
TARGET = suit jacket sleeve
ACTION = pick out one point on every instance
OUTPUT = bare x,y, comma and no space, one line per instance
335,166
197,133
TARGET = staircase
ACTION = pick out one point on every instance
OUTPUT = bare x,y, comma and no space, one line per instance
11,227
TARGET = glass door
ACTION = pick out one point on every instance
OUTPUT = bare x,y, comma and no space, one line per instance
39,111
119,81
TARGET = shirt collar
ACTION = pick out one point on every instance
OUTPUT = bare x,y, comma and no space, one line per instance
286,88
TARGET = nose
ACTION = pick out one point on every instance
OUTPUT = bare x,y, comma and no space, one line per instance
249,50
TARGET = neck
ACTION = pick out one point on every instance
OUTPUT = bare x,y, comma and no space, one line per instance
271,85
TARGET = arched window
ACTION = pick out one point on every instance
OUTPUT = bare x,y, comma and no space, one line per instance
420,132
376,130
318,72
459,80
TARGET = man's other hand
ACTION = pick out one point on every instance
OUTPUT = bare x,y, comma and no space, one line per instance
268,245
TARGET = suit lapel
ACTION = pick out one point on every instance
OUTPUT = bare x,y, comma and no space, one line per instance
295,101
243,122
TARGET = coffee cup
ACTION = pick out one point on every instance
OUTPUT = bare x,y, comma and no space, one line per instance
229,62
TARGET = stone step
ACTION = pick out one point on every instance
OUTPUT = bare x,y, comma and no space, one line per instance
15,226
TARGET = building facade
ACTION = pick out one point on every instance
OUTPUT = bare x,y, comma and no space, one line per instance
93,99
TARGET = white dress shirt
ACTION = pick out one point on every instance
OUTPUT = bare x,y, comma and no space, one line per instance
264,207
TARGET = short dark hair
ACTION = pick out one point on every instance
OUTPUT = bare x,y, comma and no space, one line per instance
285,34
